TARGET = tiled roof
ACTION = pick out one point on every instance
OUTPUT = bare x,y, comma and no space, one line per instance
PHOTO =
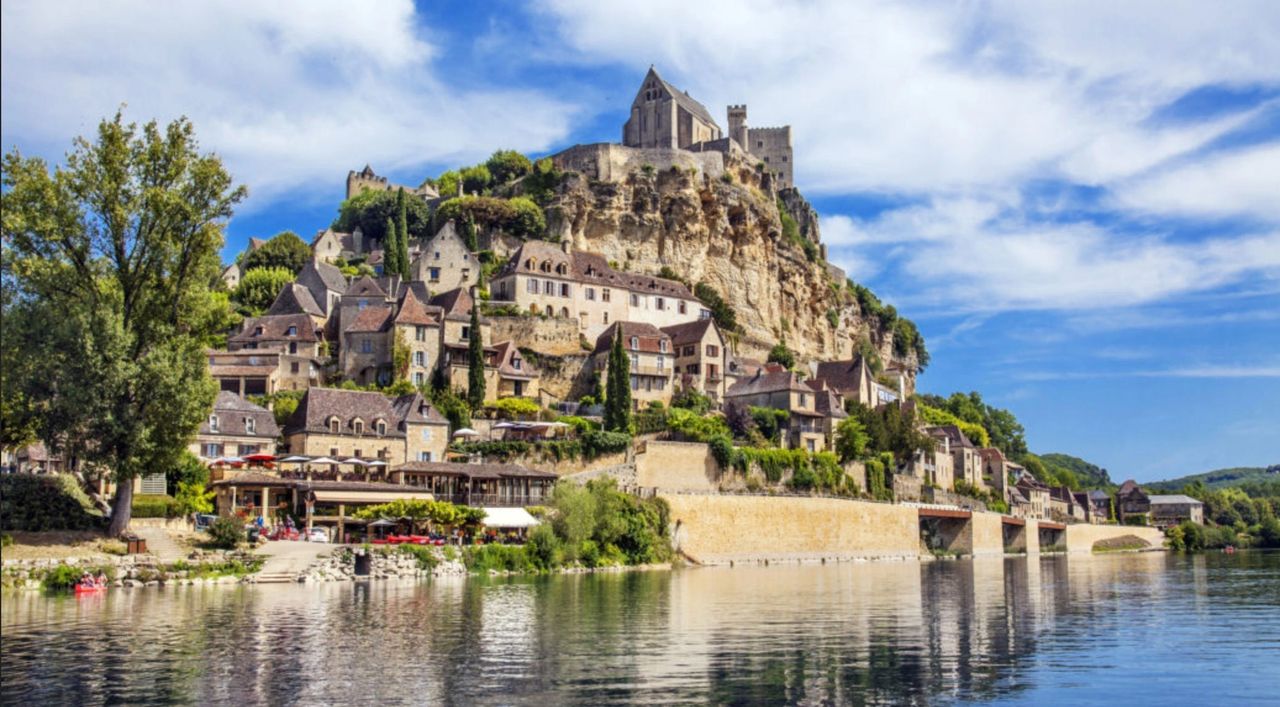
1162,499
316,275
587,268
256,243
739,366
844,375
318,405
231,410
365,287
952,433
275,327
506,352
295,299
765,381
371,319
413,311
455,304
689,332
649,338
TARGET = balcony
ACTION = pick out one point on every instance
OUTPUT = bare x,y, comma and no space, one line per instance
650,371
494,500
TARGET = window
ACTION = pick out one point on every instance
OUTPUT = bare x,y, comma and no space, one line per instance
561,269
784,158
809,444
420,333
804,400
590,293
366,345
420,359
437,255
357,453
293,349
466,273
528,264
635,300
419,378
662,345
213,423
434,274
635,382
292,331
515,363
704,314
466,333
659,303
212,451
382,428
660,383
713,351
688,351
293,367
532,286
604,317
549,287
360,305
635,362
357,427
635,343
662,363
759,143
426,434
257,331
604,294
564,289
682,307
766,159
334,426
333,452
424,456
546,266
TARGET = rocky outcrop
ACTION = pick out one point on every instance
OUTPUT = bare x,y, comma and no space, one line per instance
725,231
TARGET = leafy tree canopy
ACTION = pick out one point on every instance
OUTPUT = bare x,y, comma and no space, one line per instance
507,166
782,355
721,311
370,211
259,288
284,250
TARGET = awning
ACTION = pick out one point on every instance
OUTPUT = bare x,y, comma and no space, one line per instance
354,496
508,518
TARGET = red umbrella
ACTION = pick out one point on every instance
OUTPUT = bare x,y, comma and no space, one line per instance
260,457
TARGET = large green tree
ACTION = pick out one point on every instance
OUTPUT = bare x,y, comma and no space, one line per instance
284,250
114,256
259,287
617,403
475,362
402,234
370,210
390,249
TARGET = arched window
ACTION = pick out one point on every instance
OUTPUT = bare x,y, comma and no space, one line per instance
564,312
561,269
635,343
335,425
528,264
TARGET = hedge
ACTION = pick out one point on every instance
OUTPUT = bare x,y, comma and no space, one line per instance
154,506
41,502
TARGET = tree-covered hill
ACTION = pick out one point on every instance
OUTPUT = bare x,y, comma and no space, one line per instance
1223,478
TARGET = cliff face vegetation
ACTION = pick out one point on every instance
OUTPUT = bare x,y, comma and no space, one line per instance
756,247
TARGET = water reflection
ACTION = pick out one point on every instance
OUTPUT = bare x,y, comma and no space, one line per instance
1012,629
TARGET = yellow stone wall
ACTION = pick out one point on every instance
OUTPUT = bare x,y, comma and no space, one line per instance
1082,536
988,534
683,466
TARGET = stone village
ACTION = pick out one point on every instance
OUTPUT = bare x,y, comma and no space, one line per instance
362,353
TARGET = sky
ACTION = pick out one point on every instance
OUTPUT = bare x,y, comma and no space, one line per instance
1078,203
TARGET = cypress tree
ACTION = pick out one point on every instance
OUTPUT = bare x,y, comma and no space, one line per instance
402,233
475,363
389,250
618,404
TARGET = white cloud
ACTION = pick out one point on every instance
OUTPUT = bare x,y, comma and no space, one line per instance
1203,371
1246,181
930,97
291,94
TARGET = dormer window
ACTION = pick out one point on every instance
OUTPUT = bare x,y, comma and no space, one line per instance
635,343
546,266
213,423
250,425
528,264
257,331
292,331
662,345
515,363
561,269
357,426
335,426
381,426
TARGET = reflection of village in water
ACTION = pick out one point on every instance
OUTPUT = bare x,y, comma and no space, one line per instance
906,631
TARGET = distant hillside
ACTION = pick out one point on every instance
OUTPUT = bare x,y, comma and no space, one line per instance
1221,478
1090,476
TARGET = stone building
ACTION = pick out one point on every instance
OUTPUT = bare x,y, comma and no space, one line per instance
652,360
554,280
1037,495
296,339
855,380
445,262
966,462
1170,510
366,179
1132,503
366,425
700,355
236,427
780,389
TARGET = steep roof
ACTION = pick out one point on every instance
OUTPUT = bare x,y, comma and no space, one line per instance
505,353
318,276
275,327
318,405
587,268
454,304
828,402
256,243
413,311
767,381
1128,487
365,287
844,375
649,338
953,435
370,320
295,299
231,410
690,332
682,98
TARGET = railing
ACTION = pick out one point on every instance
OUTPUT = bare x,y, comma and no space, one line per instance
494,500
650,371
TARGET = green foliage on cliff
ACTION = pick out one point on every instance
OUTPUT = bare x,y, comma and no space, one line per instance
370,210
935,416
1002,429
721,312
518,216
791,233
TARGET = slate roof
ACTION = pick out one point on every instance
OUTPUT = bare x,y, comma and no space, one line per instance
589,269
414,312
684,100
504,353
827,402
455,303
767,381
1176,498
689,332
371,319
650,338
952,433
231,410
1129,487
320,404
365,287
295,299
275,328
844,375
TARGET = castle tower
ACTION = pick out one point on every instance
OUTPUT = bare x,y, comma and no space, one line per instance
738,126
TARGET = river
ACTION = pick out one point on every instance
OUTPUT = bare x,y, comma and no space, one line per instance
1136,628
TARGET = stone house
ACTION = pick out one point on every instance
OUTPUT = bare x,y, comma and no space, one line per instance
740,368
780,389
234,428
517,377
1036,494
1064,507
367,425
997,470
855,380
254,372
1132,503
1170,510
330,245
700,355
326,283
1099,503
966,462
934,467
361,293
445,263
231,276
549,280
652,360
830,405
367,346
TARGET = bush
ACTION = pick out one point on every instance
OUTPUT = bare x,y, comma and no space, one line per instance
30,502
690,399
62,578
426,556
519,216
259,287
155,506
226,532
543,548
782,355
580,425
692,427
513,408
722,450
649,421
502,558
770,421
508,165
284,250
599,442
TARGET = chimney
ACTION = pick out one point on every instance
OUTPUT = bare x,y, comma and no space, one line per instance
565,246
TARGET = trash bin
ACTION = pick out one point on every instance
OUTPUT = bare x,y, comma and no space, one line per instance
135,545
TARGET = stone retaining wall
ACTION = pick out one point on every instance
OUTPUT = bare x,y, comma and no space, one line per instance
555,336
681,466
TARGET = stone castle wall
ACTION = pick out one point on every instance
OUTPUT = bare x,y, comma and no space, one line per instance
555,336
608,162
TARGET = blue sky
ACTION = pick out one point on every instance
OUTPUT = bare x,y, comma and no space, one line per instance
1078,203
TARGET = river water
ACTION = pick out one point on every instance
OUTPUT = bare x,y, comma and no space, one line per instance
1131,628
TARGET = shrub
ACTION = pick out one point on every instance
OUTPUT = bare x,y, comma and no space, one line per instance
30,502
649,421
508,165
519,216
782,355
692,427
155,506
690,399
61,578
724,315
513,408
770,421
580,425
426,556
259,287
598,442
722,450
543,548
192,498
226,532
502,558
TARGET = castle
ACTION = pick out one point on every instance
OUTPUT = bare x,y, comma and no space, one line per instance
367,179
663,116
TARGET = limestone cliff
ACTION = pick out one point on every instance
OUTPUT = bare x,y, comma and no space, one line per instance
726,231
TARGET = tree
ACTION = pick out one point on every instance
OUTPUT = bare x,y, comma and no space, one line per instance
721,312
508,165
402,234
284,250
851,439
617,404
370,209
391,249
192,498
259,288
475,180
116,253
782,355
475,362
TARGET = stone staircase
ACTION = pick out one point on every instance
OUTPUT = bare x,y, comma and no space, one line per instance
286,577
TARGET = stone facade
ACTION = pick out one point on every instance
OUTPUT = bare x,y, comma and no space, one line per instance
367,179
774,387
664,116
700,357
445,263
676,466
652,361
348,423
235,427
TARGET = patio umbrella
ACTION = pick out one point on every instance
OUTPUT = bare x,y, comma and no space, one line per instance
324,460
466,432
501,426
295,459
377,462
353,460
260,457
228,460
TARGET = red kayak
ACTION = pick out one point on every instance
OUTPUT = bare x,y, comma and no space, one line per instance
90,589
